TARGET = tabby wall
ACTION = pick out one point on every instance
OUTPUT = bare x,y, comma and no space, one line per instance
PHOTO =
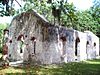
45,50
44,43
92,45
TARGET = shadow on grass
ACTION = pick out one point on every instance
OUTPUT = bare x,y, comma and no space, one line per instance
77,69
74,68
20,74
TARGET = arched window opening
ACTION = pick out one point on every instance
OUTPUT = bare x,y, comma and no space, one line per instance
94,50
63,38
94,44
87,43
76,45
6,31
33,39
63,50
21,39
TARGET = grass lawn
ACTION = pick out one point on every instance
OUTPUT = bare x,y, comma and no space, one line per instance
90,67
80,68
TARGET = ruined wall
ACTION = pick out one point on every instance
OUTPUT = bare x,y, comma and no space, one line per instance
92,45
46,47
28,25
50,48
81,45
44,43
67,36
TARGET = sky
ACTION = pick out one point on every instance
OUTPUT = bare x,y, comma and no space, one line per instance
79,4
82,4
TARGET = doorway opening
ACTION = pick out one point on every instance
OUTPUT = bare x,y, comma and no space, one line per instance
63,50
87,44
77,46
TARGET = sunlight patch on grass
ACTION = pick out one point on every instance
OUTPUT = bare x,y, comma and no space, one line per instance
93,61
12,70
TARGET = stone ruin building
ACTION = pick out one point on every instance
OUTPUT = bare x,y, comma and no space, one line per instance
32,38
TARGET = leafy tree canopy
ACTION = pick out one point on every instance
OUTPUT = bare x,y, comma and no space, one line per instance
6,8
95,12
59,12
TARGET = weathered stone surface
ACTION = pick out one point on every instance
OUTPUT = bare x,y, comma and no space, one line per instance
92,46
44,43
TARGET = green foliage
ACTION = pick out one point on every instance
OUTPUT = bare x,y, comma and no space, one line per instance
6,8
95,12
57,9
2,27
85,22
60,12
